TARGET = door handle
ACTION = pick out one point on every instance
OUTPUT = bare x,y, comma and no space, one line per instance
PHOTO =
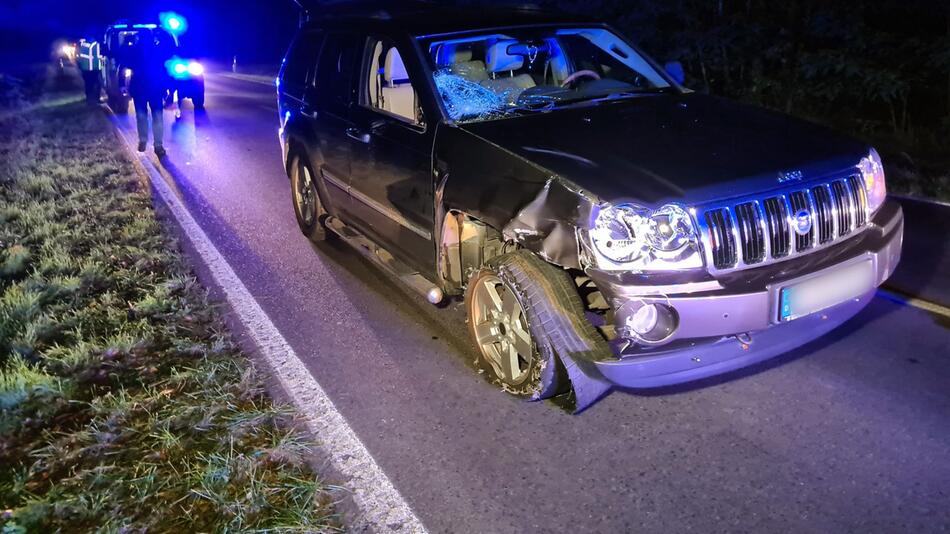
357,135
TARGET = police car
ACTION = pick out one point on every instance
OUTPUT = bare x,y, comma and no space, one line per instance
186,76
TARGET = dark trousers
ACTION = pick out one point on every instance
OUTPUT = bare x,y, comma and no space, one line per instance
93,83
143,105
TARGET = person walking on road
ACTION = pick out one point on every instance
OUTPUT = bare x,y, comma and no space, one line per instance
149,84
89,62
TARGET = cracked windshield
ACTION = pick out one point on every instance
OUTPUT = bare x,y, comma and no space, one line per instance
488,76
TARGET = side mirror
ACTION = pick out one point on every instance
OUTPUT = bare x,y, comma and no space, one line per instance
675,70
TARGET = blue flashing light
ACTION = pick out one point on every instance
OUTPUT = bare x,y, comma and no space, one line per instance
121,26
173,23
145,26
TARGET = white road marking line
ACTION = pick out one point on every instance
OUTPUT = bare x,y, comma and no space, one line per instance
382,507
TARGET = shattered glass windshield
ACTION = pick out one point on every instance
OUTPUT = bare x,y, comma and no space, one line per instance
531,70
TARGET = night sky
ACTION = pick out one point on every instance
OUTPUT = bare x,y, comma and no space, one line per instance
255,30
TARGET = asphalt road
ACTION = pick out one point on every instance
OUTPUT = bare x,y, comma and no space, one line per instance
850,433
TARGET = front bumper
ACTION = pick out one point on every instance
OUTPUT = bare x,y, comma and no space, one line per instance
729,324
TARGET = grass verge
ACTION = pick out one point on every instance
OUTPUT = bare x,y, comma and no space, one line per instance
124,403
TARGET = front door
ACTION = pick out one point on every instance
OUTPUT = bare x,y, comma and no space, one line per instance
391,185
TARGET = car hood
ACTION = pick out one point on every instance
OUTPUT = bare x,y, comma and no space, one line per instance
690,147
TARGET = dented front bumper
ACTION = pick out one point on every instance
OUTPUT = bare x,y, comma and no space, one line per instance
730,323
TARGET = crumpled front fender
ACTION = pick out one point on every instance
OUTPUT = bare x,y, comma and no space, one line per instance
548,224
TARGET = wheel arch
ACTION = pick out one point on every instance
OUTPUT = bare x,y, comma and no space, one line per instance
465,244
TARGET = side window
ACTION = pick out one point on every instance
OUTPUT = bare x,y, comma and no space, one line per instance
388,87
334,80
300,60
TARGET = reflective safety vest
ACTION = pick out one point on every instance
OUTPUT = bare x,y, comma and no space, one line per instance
89,58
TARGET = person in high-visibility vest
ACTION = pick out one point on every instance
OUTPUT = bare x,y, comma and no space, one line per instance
89,62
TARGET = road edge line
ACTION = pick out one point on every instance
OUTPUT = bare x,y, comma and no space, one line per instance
922,200
383,509
915,302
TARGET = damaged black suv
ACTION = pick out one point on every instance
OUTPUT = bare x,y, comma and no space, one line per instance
604,224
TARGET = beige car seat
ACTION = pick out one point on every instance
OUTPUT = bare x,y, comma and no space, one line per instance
501,66
398,97
460,62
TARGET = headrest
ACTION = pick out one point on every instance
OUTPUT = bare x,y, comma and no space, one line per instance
497,59
450,54
473,70
395,70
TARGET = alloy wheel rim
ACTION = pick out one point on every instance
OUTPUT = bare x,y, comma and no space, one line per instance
501,330
305,195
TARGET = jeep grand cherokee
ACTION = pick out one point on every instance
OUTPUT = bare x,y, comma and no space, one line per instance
603,224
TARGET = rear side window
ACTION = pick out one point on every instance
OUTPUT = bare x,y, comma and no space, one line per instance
334,82
301,59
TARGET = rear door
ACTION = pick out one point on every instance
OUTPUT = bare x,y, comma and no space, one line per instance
329,100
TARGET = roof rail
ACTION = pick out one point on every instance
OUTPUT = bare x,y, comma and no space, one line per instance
376,9
314,10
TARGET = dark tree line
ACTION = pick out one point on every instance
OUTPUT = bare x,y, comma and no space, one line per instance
876,68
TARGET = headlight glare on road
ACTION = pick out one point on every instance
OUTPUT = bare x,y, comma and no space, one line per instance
632,237
872,171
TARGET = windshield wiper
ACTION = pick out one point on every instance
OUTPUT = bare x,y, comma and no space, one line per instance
617,95
539,105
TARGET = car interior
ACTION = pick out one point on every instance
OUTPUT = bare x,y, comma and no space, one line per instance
389,88
541,65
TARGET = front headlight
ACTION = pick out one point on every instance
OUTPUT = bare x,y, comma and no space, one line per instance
872,171
630,237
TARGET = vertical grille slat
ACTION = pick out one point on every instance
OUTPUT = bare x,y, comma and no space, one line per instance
776,218
723,240
860,201
751,238
843,206
824,214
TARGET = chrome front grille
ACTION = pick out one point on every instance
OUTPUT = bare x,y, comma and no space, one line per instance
756,231
824,215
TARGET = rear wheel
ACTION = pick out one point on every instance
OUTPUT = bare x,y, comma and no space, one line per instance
307,206
512,304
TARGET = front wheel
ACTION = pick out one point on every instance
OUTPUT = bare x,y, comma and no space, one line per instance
515,305
307,206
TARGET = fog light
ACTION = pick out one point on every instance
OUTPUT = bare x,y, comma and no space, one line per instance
650,323
643,321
